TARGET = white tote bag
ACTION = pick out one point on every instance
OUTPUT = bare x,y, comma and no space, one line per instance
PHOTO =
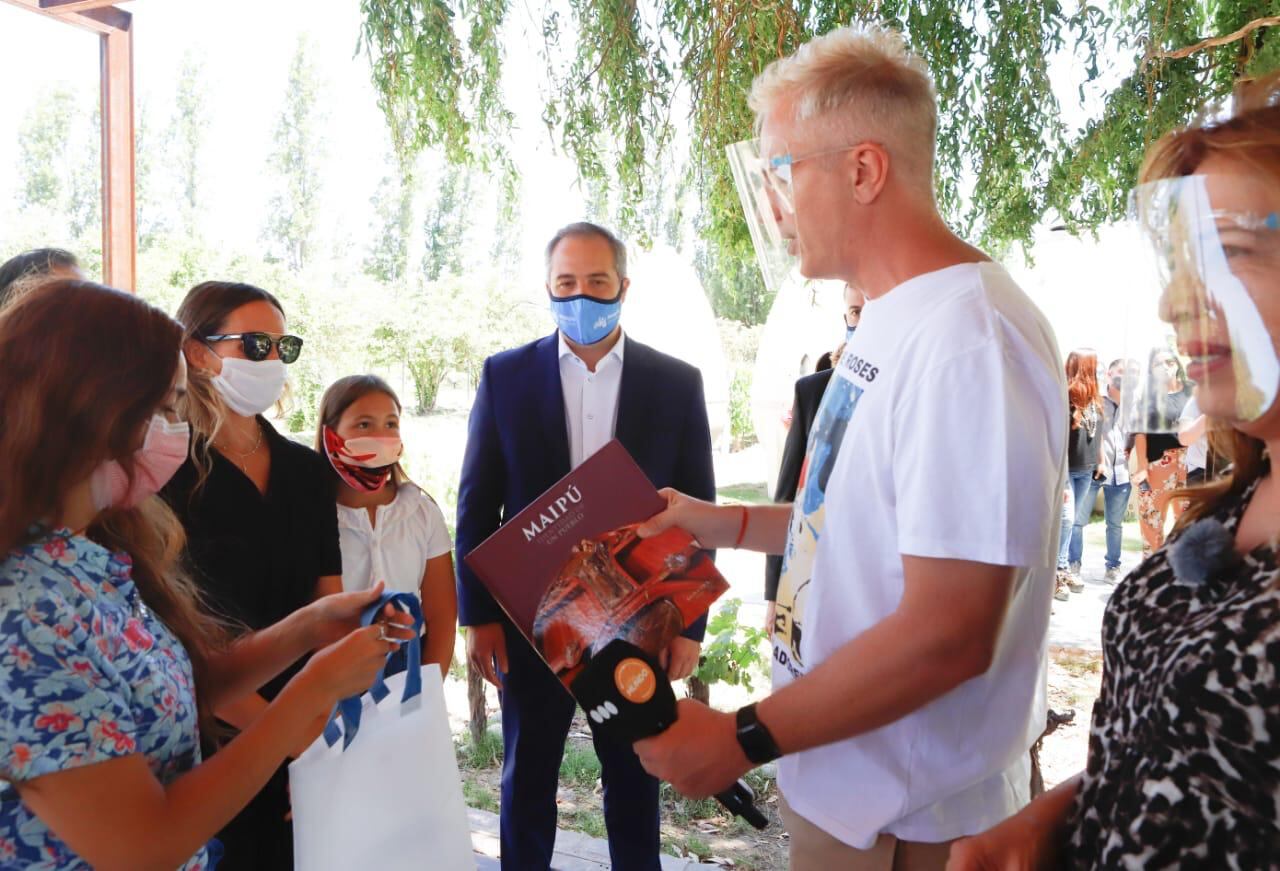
387,794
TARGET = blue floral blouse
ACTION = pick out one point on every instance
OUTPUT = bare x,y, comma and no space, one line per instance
87,674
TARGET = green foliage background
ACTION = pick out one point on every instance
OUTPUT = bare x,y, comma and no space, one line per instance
624,78
422,305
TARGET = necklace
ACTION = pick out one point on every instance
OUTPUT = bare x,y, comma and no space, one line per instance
1089,417
243,455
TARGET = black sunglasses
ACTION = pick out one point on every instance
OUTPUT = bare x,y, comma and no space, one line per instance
257,346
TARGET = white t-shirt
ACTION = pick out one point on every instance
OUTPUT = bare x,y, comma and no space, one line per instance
1198,452
940,436
409,531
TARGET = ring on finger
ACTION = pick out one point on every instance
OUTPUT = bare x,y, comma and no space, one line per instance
382,633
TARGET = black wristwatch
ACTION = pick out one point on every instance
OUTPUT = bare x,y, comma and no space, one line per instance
754,738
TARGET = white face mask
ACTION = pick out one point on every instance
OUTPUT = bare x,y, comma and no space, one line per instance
250,387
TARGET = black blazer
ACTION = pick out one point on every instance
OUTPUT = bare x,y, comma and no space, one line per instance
809,391
518,444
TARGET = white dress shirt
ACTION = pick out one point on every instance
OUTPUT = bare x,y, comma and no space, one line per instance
590,399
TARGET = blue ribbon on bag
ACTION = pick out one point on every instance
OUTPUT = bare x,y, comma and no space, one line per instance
349,709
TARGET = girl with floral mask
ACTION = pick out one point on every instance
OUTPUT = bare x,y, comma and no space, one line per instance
110,670
391,530
258,509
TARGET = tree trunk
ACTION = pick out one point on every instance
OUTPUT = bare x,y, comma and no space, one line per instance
476,698
1037,779
697,690
1052,721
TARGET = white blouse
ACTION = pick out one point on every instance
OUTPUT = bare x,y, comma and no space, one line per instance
408,532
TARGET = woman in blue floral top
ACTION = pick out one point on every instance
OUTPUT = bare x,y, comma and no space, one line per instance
108,665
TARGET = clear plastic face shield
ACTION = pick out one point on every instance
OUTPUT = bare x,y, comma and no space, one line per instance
764,187
1202,322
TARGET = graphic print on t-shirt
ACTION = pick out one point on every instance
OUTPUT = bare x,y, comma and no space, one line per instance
808,517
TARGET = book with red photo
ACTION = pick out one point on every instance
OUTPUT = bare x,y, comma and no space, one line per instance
572,574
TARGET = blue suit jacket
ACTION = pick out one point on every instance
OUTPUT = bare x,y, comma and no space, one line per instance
518,444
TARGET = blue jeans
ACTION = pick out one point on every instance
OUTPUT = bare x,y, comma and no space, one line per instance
1115,499
1083,494
1064,531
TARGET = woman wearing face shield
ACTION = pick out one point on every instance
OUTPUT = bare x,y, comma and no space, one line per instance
1184,752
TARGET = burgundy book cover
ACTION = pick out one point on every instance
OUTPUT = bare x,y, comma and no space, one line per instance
572,574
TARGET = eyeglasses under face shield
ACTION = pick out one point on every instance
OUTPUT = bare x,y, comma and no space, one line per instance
1202,318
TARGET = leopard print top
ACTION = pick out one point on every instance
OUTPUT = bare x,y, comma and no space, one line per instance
1184,753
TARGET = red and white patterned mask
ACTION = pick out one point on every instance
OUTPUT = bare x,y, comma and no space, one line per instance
364,463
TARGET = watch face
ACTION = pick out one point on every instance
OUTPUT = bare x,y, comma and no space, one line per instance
754,738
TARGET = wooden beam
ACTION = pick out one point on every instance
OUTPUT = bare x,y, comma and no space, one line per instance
119,223
106,19
109,19
62,6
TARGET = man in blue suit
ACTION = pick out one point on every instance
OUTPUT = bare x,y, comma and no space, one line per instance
541,409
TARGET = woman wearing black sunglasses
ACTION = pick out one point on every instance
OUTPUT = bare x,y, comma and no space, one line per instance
258,508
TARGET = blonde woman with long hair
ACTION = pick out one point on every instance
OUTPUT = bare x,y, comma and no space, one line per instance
258,509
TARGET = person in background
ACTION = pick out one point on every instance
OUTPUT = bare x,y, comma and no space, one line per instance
1115,469
853,302
1184,765
1084,450
1193,434
804,409
258,508
390,529
110,667
1062,582
540,411
1162,468
30,267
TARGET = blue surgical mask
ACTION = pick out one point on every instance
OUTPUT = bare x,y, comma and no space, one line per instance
849,331
586,320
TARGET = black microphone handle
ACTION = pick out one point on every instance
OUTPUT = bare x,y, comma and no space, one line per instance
740,799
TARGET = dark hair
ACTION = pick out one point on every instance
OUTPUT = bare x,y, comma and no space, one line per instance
339,397
202,313
586,228
85,397
39,261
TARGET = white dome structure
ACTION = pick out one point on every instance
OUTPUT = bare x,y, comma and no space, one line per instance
1089,288
806,321
668,309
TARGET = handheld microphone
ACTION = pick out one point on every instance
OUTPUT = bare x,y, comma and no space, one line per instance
626,695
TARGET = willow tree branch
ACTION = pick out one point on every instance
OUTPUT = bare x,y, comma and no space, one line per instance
1216,41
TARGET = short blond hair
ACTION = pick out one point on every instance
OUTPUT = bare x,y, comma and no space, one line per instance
858,81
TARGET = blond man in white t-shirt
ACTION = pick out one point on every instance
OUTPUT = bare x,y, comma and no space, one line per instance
909,643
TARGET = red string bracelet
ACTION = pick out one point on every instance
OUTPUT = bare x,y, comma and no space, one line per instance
742,529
